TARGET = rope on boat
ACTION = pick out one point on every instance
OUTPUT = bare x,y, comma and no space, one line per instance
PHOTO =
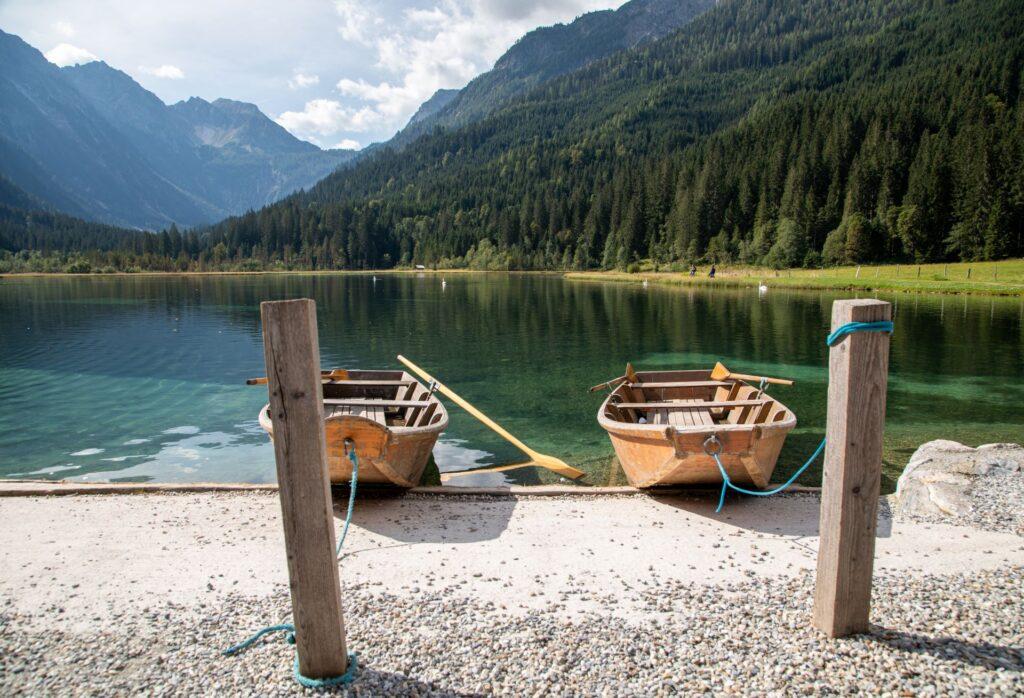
306,681
833,339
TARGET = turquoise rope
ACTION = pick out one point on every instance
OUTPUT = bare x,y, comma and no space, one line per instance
727,483
833,339
851,327
351,498
306,681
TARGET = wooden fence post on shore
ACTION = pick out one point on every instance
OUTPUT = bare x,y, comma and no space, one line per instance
292,352
858,375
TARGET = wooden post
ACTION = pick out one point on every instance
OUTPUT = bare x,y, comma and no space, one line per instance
292,352
858,371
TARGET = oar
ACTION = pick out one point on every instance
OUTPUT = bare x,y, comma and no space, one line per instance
445,477
608,384
335,374
549,462
721,373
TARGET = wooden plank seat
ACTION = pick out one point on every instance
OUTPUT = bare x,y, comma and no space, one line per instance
370,402
683,384
369,411
695,414
370,384
690,404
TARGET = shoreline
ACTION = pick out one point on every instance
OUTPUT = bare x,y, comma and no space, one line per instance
803,282
63,488
887,278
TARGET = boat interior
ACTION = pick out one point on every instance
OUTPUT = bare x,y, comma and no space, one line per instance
691,399
390,398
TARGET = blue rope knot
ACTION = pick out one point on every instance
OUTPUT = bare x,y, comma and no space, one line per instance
350,673
833,339
851,327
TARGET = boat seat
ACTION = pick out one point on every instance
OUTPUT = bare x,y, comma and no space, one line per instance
371,402
681,417
368,411
369,384
686,405
682,384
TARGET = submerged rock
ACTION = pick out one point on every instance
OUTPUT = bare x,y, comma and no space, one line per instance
947,481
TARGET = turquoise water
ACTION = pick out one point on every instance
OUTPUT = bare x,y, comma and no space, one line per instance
142,377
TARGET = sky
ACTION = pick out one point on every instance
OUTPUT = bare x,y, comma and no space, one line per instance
338,73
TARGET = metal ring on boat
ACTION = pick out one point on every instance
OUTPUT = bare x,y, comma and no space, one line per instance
712,446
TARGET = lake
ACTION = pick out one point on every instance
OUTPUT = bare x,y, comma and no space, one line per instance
136,378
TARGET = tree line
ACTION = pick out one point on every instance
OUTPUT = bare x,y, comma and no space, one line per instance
785,133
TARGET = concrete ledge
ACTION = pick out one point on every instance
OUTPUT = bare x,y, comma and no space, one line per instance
51,488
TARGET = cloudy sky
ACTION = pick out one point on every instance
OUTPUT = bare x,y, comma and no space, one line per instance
334,72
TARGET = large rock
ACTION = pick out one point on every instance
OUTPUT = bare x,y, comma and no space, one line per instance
946,480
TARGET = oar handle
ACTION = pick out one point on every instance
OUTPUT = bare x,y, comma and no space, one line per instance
451,395
748,377
608,384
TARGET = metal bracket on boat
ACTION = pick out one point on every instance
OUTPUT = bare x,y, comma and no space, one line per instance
712,446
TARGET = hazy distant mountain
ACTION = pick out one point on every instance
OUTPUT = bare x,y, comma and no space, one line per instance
94,143
548,52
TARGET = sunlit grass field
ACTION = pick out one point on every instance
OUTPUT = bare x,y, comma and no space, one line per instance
1005,278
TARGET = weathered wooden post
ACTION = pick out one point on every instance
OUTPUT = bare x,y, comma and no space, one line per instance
292,352
858,372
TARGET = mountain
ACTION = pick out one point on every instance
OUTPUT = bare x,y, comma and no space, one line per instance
94,143
788,132
548,52
438,101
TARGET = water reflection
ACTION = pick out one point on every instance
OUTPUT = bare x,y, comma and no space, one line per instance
142,377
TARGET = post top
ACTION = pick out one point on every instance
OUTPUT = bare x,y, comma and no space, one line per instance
860,310
853,302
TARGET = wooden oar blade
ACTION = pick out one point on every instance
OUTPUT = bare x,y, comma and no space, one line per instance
558,466
719,372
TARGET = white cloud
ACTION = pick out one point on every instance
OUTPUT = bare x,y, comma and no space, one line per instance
170,72
348,144
66,54
300,80
356,22
326,117
65,29
442,47
388,55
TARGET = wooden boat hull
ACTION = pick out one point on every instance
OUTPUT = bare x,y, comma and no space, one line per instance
388,453
656,454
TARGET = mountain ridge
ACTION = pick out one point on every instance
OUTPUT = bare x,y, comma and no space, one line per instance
94,143
547,52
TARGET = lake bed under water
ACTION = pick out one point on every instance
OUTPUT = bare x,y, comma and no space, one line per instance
137,378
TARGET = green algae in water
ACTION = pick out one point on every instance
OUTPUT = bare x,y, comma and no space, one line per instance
142,378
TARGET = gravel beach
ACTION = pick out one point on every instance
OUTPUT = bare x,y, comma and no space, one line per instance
638,595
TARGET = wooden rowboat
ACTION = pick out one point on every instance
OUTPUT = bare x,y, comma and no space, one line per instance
390,417
661,425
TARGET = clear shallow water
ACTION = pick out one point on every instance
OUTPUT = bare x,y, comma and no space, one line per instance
142,378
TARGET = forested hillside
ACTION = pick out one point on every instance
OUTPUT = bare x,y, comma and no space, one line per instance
547,52
787,133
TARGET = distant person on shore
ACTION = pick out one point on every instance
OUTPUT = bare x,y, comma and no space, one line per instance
693,270
711,274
